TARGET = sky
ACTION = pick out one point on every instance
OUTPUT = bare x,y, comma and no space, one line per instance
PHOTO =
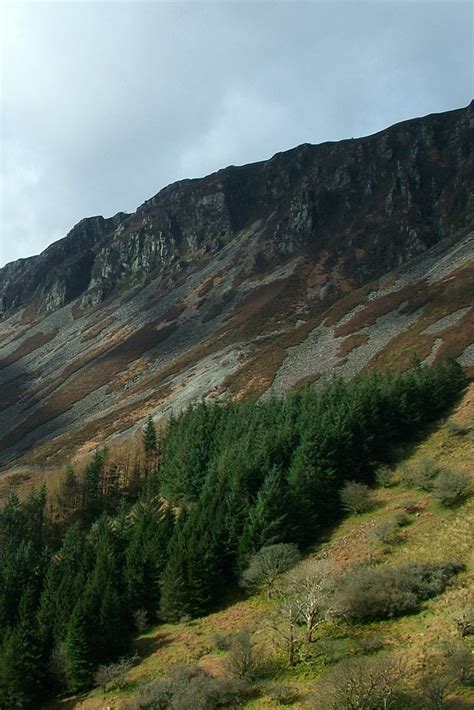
105,103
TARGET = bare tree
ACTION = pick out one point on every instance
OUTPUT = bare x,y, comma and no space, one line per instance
285,623
313,593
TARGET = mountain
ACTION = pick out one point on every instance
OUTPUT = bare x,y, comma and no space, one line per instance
324,260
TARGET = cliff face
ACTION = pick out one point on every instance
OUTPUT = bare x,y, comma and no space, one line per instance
325,259
392,195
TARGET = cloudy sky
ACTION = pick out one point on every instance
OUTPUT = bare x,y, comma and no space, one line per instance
104,103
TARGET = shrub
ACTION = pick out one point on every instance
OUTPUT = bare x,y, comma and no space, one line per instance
387,533
355,497
241,661
381,593
283,694
113,675
190,688
434,687
221,642
141,621
452,488
360,684
384,477
412,507
268,564
457,429
402,519
460,663
464,619
420,474
156,695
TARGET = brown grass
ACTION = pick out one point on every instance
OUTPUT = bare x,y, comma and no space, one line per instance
28,346
351,343
377,308
88,380
437,301
95,330
345,304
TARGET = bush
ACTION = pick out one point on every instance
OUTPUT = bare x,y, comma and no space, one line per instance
434,688
368,594
457,429
221,642
460,663
268,564
412,507
241,661
141,620
420,474
387,533
452,488
114,675
190,688
355,497
384,477
402,519
360,684
283,694
464,619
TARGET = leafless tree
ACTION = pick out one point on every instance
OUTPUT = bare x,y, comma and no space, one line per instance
313,594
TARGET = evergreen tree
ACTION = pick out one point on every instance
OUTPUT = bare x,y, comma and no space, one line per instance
92,499
150,441
68,498
21,660
267,521
79,664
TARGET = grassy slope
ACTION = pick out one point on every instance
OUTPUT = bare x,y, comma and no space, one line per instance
435,534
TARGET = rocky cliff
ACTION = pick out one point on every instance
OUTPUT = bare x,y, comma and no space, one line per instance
323,259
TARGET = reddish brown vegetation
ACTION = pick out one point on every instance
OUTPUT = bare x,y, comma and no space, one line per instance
28,346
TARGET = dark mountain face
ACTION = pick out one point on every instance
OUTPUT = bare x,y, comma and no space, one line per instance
324,259
392,195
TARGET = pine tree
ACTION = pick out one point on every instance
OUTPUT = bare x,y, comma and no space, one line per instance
68,497
267,522
92,499
175,601
150,443
79,665
21,660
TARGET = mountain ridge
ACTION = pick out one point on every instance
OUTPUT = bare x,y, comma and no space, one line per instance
324,260
92,233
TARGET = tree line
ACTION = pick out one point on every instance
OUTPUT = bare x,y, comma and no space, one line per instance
82,570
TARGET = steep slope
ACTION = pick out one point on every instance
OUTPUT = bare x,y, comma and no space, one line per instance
434,533
325,259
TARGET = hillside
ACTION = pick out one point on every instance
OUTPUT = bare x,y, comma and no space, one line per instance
327,259
434,533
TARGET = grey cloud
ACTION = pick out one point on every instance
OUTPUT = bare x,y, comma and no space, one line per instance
105,103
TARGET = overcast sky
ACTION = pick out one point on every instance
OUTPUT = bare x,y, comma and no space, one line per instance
103,104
